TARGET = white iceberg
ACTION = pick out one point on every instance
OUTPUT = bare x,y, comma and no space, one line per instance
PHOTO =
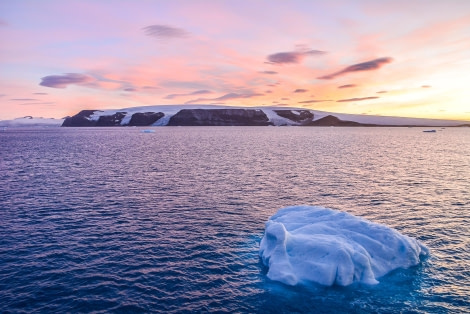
305,244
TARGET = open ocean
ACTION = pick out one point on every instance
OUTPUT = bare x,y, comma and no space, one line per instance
116,220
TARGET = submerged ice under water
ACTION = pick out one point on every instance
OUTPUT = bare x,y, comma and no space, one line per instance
116,220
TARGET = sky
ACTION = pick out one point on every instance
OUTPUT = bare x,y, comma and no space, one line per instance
378,57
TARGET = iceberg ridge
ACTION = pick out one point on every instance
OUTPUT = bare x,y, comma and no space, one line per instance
305,244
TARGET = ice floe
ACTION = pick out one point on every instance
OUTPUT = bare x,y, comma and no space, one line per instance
305,244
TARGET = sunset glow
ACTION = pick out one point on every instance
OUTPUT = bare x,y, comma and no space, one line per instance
394,58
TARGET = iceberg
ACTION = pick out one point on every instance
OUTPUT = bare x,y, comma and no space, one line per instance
304,244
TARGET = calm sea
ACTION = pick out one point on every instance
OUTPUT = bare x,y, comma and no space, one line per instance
116,220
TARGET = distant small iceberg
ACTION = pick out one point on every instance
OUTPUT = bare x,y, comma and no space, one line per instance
305,244
147,131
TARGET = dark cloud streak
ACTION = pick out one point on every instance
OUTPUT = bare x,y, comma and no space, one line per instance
235,96
357,99
228,96
347,86
164,32
313,101
198,92
37,103
268,72
62,81
364,66
291,56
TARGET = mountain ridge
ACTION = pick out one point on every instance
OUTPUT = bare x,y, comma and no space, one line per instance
213,115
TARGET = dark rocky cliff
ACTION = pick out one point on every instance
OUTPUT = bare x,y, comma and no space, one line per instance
334,121
113,120
82,119
303,117
219,117
145,118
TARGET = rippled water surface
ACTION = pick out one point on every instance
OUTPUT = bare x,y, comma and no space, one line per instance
115,220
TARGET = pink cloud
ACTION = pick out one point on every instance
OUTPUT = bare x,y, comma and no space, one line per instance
229,96
165,32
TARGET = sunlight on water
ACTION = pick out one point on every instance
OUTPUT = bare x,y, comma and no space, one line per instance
114,219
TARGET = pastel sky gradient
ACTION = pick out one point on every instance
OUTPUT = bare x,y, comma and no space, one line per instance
380,57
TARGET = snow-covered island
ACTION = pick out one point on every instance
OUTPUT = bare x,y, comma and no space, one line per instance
30,121
212,115
304,244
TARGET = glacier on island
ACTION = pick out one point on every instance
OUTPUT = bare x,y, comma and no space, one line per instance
218,115
305,244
